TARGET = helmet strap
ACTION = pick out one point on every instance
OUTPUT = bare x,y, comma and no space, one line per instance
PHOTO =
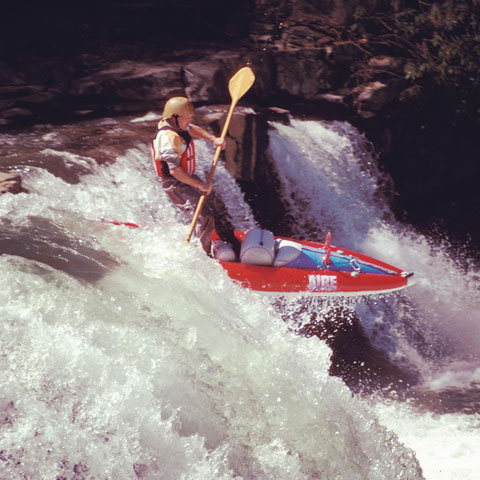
175,117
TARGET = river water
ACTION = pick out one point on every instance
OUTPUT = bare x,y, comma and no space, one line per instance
127,353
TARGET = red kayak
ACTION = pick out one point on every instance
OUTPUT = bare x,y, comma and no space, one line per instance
280,265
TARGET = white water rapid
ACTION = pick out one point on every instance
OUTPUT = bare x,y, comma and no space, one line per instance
127,353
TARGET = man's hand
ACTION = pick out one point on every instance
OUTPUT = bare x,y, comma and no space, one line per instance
219,142
205,188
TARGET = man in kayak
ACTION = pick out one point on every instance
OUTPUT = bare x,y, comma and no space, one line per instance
173,153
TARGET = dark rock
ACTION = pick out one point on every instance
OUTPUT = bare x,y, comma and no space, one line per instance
342,51
243,139
373,96
309,66
15,116
9,76
334,98
130,80
11,183
15,90
387,63
41,97
277,114
206,80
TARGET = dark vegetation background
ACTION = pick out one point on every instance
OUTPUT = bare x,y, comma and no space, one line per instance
68,28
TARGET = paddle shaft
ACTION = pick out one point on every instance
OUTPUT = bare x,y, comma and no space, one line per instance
238,86
201,202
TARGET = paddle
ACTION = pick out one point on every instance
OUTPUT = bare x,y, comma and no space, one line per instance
238,85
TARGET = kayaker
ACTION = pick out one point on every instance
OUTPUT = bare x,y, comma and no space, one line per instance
173,153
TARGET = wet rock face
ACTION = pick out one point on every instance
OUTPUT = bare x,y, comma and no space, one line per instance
11,183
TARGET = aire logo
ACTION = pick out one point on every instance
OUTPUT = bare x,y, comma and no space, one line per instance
323,283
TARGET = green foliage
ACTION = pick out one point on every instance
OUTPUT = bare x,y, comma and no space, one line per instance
440,41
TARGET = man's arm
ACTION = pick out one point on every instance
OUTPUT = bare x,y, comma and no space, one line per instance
180,174
199,132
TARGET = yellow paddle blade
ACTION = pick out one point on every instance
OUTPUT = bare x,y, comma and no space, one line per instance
240,83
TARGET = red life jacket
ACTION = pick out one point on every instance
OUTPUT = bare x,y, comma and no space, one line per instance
187,161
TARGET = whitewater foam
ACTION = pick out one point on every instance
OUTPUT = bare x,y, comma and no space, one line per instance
161,366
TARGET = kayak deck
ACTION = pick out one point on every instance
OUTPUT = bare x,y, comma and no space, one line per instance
320,269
